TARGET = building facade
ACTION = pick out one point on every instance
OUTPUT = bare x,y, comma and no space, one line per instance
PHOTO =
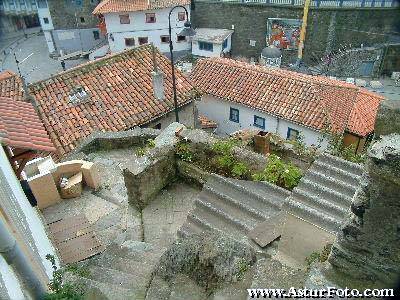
136,25
17,15
69,25
212,42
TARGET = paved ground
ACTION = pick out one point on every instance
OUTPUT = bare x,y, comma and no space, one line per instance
390,91
38,65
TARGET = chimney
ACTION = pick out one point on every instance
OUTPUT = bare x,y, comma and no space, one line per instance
157,78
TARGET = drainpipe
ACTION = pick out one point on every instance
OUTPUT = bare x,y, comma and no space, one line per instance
14,256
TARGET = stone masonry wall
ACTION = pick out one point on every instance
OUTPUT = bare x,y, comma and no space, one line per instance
327,28
66,15
368,247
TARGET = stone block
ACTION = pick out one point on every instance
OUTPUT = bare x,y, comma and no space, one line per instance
361,82
44,189
73,188
91,175
67,169
375,84
388,118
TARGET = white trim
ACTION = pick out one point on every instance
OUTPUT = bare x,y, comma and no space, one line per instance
11,283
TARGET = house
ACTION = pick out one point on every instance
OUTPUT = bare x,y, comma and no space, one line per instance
11,86
132,23
212,42
114,93
69,25
16,16
238,95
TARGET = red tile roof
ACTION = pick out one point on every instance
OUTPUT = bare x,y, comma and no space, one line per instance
11,86
20,126
119,96
312,101
112,6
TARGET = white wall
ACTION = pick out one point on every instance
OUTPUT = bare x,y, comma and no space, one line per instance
217,49
47,28
218,110
139,28
9,282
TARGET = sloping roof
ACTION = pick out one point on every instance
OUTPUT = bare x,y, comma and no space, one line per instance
113,6
20,126
11,86
214,35
119,96
313,101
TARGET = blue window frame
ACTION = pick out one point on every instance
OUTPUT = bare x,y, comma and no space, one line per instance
234,115
259,122
206,46
292,134
225,44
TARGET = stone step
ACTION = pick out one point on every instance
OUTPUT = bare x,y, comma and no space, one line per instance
189,228
231,220
111,291
337,173
324,192
356,169
319,203
331,183
115,277
258,196
234,206
313,215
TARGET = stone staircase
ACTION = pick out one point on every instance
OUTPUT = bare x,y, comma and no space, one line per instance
234,207
120,272
323,196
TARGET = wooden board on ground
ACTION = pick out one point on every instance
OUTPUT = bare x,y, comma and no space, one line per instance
75,239
268,231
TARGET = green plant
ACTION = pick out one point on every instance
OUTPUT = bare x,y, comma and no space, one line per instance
60,290
337,147
313,257
224,147
140,151
151,143
239,170
182,150
279,173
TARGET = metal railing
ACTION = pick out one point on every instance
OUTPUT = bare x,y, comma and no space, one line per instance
318,3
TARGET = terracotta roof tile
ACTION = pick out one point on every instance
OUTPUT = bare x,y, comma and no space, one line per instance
119,96
110,6
313,101
11,86
20,126
206,122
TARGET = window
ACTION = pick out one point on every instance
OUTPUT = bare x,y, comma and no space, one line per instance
234,115
96,35
129,42
292,134
181,16
225,44
164,38
259,122
150,18
206,46
181,38
46,20
82,20
143,40
124,19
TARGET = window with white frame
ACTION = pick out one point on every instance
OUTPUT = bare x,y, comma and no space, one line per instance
259,122
124,19
206,46
292,134
234,115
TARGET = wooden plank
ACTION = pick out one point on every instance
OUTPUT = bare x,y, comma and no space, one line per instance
72,233
84,241
81,255
268,231
67,223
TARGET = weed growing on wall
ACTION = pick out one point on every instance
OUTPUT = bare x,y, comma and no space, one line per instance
182,150
283,174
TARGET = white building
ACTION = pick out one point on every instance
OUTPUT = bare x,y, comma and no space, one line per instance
239,95
140,22
212,42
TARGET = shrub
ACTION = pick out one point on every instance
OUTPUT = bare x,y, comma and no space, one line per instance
336,147
279,173
240,170
224,147
182,150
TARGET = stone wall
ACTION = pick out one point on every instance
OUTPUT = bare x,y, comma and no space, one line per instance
391,61
66,15
328,28
368,247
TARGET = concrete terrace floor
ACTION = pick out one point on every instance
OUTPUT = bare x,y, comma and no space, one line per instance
114,219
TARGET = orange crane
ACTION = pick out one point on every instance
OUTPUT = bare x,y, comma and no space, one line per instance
303,31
